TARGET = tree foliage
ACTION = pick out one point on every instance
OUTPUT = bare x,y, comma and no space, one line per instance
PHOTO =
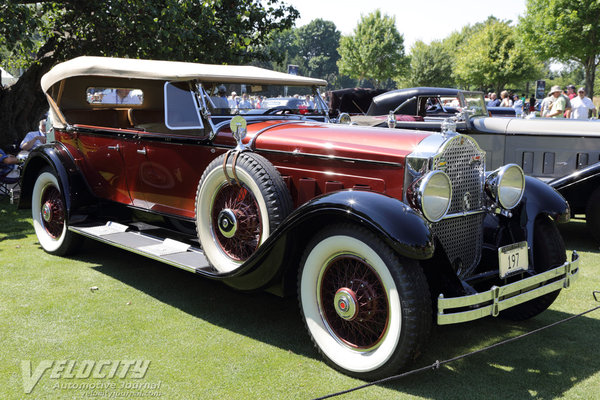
317,44
375,52
565,30
492,56
430,65
45,32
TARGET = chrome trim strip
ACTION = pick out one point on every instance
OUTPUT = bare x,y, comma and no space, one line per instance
499,298
331,157
252,143
464,214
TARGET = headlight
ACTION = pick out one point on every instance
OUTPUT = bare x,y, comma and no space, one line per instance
506,185
433,195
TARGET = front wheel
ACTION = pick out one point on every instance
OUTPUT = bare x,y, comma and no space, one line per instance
49,216
367,310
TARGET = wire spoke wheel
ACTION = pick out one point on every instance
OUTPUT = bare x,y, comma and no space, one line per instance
235,210
366,308
354,302
234,218
49,214
53,211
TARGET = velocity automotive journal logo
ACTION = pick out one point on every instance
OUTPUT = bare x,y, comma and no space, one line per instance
73,370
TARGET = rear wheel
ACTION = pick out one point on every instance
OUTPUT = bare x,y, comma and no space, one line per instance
367,310
49,216
592,215
548,252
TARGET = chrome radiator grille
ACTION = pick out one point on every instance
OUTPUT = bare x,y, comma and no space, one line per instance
461,235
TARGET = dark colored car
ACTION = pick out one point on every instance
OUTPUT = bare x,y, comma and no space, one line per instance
378,232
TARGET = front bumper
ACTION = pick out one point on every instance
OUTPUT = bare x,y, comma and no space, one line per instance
498,298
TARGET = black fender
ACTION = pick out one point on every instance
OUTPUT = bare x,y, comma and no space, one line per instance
540,198
72,184
394,221
578,186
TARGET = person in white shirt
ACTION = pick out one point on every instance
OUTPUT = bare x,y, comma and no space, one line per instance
581,105
34,138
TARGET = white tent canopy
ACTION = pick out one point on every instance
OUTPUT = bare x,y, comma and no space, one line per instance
7,79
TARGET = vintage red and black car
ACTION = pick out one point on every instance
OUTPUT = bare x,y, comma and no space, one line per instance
379,232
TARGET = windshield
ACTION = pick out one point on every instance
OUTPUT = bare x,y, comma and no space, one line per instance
475,103
234,98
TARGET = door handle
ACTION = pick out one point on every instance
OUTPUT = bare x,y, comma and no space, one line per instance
114,147
142,151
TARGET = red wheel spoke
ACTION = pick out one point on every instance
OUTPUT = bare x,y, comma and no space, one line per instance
368,326
240,201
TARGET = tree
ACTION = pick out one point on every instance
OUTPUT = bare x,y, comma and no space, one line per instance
565,30
493,57
430,65
317,43
43,33
375,52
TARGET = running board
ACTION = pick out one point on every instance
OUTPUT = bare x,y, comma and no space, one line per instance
168,251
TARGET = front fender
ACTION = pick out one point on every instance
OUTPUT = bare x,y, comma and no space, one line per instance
539,198
395,222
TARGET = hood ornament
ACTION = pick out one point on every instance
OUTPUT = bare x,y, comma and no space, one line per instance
391,120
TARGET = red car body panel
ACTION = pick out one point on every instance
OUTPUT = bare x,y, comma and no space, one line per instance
313,158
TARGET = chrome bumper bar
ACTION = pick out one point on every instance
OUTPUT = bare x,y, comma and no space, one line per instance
499,298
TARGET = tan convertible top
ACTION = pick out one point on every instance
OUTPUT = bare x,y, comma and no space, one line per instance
171,71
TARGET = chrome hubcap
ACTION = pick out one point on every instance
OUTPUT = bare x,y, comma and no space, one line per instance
227,223
345,303
47,211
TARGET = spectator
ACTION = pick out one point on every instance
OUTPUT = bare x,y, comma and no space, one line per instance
495,102
232,100
532,104
546,105
8,165
559,103
34,138
571,92
220,100
121,96
518,106
506,101
245,103
582,106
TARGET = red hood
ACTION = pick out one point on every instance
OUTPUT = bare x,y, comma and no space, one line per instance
377,144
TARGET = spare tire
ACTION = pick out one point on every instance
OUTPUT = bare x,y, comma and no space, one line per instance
234,217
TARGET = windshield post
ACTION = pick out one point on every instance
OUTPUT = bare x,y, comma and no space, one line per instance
202,97
321,104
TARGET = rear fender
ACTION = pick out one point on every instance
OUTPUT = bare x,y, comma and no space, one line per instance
73,186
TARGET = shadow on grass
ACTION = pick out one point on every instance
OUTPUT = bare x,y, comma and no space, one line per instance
14,224
541,366
577,236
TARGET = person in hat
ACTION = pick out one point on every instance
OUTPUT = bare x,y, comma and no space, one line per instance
582,106
559,103
571,92
220,100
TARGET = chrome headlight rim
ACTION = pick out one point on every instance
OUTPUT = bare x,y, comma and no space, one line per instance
422,196
496,182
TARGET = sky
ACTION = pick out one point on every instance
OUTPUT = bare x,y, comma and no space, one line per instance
424,20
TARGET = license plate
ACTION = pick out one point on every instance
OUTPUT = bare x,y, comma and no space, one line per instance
513,258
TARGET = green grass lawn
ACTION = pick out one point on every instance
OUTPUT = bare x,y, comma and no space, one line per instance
206,341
